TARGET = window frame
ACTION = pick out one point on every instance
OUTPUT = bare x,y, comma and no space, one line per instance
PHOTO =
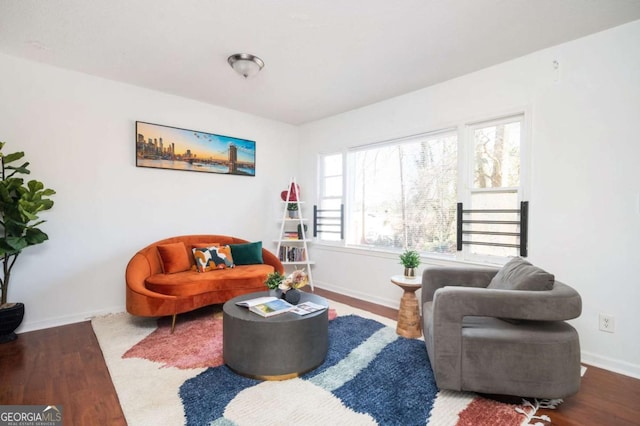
465,176
321,184
468,187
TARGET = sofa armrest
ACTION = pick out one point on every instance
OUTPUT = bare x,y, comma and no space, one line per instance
139,299
271,259
138,270
436,277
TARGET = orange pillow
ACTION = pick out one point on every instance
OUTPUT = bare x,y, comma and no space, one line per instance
175,257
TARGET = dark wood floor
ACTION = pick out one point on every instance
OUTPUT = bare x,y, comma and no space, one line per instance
64,366
60,366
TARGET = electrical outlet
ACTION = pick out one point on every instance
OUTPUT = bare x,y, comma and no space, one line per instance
607,323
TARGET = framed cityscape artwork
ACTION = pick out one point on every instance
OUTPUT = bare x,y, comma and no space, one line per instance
165,147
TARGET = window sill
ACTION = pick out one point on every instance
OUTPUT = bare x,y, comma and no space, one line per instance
429,259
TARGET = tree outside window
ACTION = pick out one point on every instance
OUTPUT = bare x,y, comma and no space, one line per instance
404,194
496,181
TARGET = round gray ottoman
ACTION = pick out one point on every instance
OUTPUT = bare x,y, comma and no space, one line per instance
280,347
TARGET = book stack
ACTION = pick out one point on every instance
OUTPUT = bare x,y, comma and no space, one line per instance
292,254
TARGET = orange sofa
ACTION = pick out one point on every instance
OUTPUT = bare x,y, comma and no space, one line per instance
151,292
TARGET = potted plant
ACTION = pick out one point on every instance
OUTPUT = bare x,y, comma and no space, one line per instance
273,281
410,259
20,204
292,208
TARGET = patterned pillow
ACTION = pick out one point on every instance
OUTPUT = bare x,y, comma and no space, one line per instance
211,258
222,257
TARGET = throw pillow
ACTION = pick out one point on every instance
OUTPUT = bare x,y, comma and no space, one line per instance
213,257
222,257
518,274
247,254
175,257
202,257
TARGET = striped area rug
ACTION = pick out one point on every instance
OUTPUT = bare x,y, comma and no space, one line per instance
371,376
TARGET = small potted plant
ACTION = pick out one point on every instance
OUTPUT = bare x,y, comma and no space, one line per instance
410,259
292,208
273,281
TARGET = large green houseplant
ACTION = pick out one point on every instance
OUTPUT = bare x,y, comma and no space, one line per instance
20,204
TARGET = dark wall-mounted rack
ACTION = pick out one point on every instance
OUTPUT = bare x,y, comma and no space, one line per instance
328,221
520,226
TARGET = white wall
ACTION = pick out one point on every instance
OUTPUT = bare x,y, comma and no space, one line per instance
585,175
78,132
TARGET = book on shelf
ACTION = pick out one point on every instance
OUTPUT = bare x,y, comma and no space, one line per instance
301,234
266,306
307,308
292,254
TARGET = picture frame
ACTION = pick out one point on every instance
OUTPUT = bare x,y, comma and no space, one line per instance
174,148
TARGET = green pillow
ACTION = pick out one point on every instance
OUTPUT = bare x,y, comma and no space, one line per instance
247,254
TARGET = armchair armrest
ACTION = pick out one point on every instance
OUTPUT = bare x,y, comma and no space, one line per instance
452,304
436,277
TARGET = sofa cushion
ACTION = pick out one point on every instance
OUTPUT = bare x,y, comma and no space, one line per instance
190,283
175,257
247,254
518,274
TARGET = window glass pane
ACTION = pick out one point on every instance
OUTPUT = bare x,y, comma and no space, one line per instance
332,164
328,225
493,201
497,155
503,200
404,195
331,204
329,236
332,186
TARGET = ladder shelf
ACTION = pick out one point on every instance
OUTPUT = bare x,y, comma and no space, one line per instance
294,239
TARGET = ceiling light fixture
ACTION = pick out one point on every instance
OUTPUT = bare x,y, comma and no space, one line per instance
245,64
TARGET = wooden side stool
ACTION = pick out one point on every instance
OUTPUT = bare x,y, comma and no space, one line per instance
409,313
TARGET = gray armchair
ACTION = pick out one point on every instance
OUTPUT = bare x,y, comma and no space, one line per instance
488,339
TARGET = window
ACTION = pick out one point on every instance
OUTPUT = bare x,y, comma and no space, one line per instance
495,183
330,204
403,193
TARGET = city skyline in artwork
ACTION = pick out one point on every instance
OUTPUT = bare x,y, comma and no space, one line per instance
167,147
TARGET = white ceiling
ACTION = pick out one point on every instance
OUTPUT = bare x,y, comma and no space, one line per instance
322,57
